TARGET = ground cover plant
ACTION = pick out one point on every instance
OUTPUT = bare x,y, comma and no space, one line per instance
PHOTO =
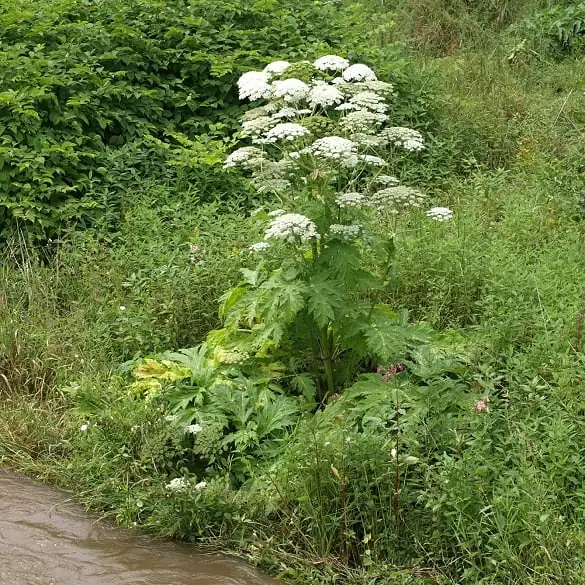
348,348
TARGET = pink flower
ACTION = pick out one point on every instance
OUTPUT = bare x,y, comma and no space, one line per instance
482,405
389,371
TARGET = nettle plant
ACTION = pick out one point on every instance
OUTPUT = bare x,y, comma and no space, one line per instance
319,149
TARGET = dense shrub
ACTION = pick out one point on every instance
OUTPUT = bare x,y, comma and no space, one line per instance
80,79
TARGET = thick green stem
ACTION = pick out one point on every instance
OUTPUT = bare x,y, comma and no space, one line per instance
327,354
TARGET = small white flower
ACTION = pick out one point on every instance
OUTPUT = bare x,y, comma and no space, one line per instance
294,154
369,100
378,86
368,140
362,121
200,486
333,147
290,113
290,90
375,161
257,126
359,72
254,85
276,67
393,453
387,180
440,213
285,113
397,197
171,417
324,95
83,428
331,63
248,156
277,213
345,232
192,429
286,131
272,185
178,484
122,308
292,227
259,247
355,200
407,138
259,112
346,107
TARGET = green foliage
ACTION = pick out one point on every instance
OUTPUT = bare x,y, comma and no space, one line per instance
81,80
460,461
557,30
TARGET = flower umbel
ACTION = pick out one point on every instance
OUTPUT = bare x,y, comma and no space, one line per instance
291,228
331,63
440,213
254,85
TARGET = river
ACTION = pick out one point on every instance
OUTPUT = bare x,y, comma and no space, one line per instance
46,541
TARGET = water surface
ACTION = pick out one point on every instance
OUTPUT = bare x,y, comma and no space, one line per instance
46,541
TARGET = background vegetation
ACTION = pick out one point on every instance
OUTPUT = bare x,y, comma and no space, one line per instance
121,232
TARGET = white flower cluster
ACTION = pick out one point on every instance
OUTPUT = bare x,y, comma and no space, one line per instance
345,232
407,138
259,246
192,429
247,157
290,90
362,121
440,213
178,484
332,147
259,111
397,197
285,131
257,126
289,113
378,86
280,169
359,72
349,200
324,95
271,185
346,107
387,180
276,67
375,161
292,227
368,140
331,63
369,100
254,85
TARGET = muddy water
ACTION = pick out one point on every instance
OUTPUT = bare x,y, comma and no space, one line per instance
45,541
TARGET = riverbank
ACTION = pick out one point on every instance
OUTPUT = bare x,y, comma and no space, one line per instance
452,452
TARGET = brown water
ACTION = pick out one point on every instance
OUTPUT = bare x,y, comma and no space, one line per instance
46,541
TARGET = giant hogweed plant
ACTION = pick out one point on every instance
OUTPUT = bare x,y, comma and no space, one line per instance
306,319
320,136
